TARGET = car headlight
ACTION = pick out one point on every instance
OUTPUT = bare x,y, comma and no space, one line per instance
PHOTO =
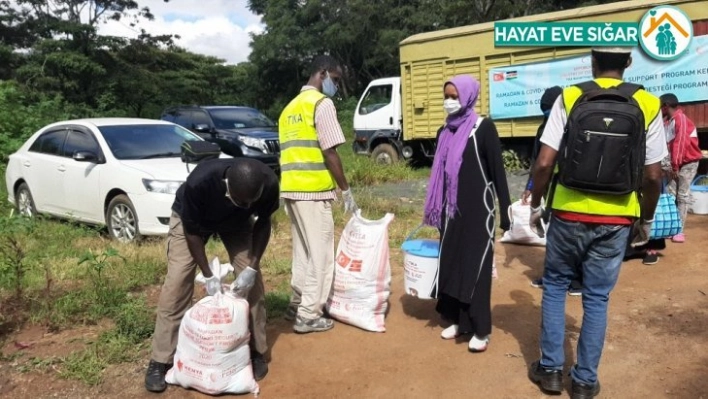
253,142
162,186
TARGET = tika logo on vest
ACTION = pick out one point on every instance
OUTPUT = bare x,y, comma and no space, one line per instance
608,122
294,119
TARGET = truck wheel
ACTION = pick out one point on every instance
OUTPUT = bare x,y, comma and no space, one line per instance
385,154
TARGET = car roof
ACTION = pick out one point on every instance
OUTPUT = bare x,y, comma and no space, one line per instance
206,107
98,122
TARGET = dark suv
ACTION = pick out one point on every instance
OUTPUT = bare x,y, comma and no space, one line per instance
239,131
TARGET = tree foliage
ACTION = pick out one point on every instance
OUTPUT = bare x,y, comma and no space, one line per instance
54,64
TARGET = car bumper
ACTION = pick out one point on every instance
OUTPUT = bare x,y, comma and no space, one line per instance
154,211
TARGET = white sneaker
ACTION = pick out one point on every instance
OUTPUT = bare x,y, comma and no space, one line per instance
478,345
451,332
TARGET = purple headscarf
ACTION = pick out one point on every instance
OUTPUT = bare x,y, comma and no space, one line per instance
448,156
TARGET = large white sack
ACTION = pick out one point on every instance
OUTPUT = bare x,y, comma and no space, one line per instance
213,355
520,231
362,277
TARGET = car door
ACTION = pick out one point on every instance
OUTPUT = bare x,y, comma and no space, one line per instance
82,178
42,170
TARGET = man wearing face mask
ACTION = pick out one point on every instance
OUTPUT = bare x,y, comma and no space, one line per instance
231,198
311,171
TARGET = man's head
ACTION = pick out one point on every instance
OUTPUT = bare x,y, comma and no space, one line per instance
244,183
610,61
669,105
549,98
325,74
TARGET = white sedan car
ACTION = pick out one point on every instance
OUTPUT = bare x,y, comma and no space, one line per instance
115,171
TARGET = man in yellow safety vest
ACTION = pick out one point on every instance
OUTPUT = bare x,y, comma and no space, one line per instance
589,228
311,170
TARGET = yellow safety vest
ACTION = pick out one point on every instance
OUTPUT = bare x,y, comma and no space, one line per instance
301,160
569,200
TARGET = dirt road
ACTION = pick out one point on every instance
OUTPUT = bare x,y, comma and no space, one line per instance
655,348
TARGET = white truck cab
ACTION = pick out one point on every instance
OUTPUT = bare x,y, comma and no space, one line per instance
378,121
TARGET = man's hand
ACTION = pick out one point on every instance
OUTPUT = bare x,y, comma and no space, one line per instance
536,222
213,285
526,197
641,231
349,204
244,282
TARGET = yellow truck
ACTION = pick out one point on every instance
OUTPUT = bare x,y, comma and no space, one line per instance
398,117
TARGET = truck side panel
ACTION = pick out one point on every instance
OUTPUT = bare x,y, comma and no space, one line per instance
427,60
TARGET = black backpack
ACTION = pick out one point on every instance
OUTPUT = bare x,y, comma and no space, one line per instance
604,143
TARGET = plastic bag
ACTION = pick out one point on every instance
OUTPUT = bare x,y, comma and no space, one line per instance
362,277
218,269
520,231
213,355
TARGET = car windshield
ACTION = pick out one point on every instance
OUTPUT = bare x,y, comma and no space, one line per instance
239,118
146,141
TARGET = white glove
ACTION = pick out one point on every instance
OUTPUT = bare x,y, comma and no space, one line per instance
536,222
349,204
213,285
244,282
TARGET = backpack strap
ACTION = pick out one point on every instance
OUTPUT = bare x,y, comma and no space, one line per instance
588,86
628,89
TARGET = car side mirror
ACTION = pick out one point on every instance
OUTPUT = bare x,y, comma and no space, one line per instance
202,128
85,156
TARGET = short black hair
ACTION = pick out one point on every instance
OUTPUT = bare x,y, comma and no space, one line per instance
245,178
670,100
549,97
605,62
323,63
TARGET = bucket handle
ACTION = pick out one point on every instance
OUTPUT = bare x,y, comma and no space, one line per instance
416,230
693,183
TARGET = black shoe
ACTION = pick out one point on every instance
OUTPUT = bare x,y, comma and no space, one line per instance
550,381
260,367
155,376
651,258
585,391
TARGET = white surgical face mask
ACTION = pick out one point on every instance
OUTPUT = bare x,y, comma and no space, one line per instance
328,87
451,106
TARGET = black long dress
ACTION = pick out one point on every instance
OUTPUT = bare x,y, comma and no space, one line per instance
467,240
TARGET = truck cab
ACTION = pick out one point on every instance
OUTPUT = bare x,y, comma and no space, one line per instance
378,121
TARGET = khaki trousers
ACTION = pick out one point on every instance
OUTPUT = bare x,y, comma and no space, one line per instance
313,255
681,188
178,288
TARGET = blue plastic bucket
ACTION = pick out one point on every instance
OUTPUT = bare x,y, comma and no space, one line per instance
420,264
699,195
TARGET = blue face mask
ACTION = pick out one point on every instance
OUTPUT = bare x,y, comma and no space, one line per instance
328,87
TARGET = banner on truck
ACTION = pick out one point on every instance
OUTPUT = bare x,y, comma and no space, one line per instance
515,91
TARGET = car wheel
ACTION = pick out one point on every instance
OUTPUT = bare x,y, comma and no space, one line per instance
385,154
25,203
122,220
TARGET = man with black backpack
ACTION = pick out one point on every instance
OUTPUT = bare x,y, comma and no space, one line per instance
601,151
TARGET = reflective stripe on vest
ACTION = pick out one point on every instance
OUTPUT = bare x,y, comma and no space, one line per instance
569,200
301,160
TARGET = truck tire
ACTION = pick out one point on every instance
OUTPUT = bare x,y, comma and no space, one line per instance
385,154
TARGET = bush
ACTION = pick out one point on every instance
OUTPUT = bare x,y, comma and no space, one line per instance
21,116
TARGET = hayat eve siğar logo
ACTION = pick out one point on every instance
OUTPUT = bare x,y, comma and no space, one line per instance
665,33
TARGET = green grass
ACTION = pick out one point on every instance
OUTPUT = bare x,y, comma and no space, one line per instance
60,293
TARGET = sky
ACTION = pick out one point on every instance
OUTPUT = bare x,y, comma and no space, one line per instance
212,27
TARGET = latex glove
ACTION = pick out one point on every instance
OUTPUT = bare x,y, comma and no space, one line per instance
536,222
244,282
213,285
349,204
526,197
641,231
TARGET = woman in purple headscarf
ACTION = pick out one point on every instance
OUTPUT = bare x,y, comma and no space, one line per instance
467,177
